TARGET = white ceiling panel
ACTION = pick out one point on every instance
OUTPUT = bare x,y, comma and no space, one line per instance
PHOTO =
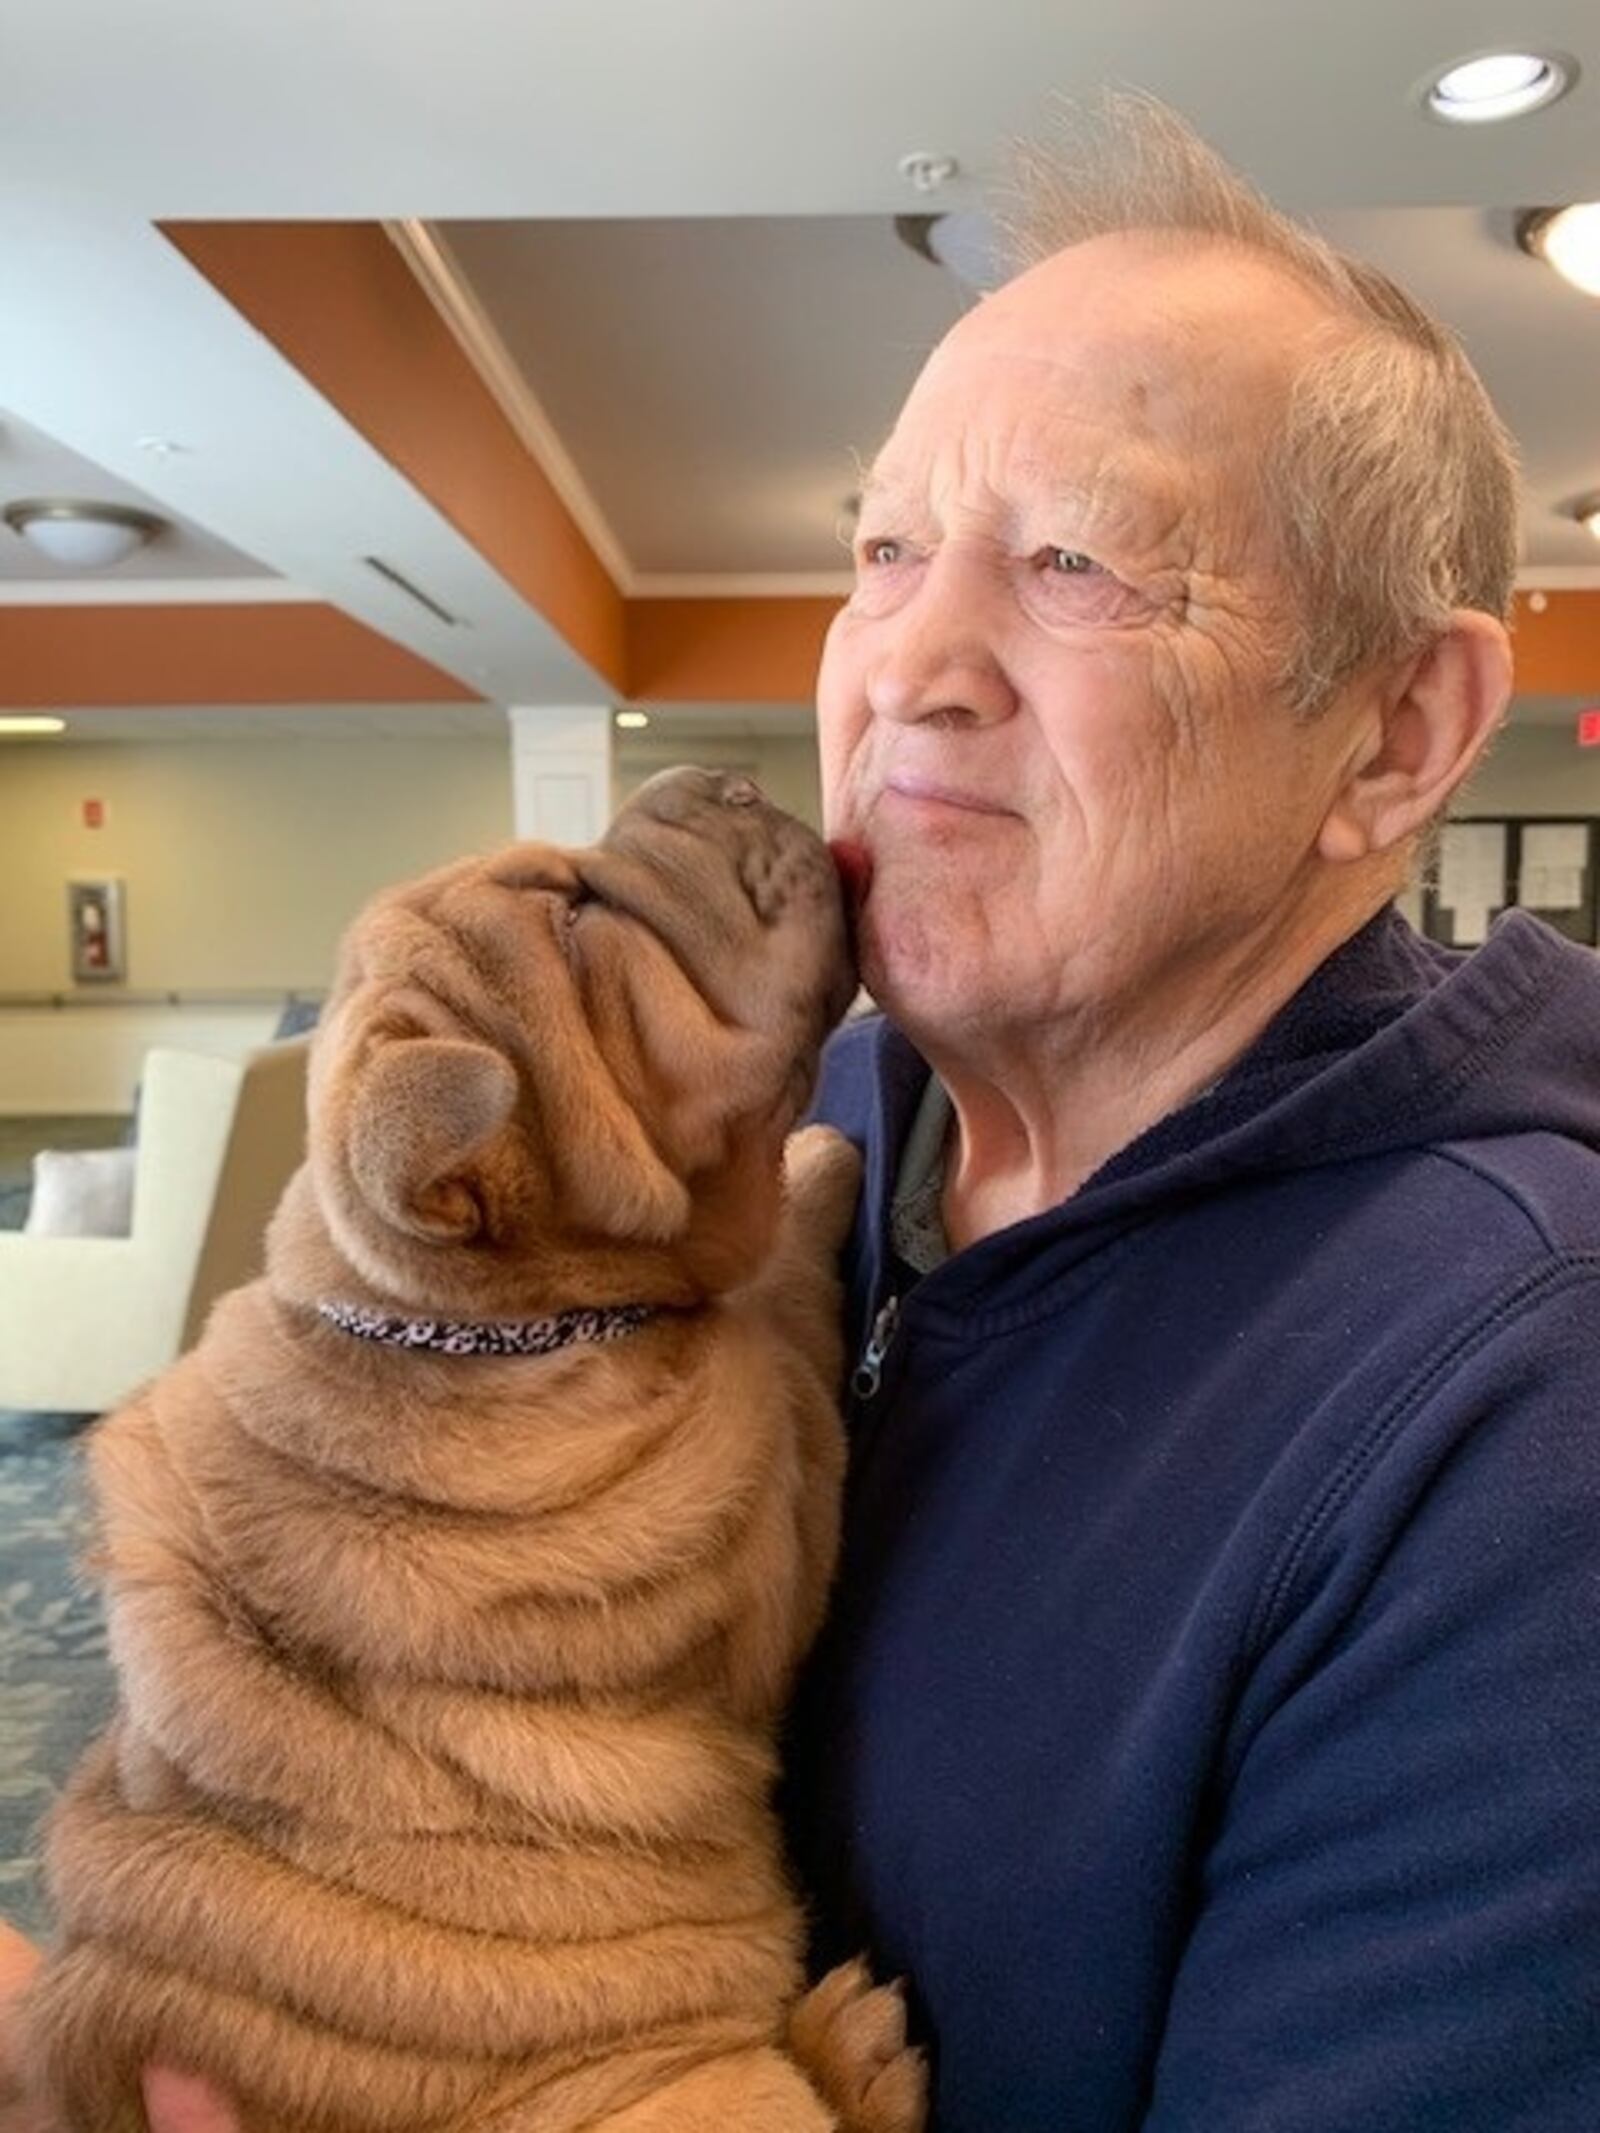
695,107
714,379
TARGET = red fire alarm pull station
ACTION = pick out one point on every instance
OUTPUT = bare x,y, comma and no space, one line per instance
1589,728
94,811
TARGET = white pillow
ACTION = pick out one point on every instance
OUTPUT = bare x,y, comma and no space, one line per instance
81,1192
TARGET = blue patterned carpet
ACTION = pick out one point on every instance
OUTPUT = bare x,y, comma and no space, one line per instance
55,1678
54,1673
56,1687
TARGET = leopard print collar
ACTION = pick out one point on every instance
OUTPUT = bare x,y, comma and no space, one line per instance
444,1336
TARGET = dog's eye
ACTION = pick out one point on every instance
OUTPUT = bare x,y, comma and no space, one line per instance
578,901
564,919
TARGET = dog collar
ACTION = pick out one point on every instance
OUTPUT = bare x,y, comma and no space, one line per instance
445,1336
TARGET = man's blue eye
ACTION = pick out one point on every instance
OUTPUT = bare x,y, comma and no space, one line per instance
883,551
1070,562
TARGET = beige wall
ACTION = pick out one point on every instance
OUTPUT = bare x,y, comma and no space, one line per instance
242,862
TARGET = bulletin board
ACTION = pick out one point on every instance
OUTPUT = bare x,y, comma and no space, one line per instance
1484,864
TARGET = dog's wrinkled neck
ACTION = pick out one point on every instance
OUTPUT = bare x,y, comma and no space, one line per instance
306,1263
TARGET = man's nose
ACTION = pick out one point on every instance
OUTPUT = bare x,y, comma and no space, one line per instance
937,656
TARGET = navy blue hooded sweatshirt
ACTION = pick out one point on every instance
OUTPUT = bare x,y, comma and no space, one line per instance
1208,1724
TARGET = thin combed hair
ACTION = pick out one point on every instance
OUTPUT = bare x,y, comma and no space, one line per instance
1392,479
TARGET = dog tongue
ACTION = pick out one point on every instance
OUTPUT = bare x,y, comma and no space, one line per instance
854,862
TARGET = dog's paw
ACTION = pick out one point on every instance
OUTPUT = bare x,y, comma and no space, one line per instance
850,2037
822,1177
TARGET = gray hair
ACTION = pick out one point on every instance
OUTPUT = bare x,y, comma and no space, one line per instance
1393,479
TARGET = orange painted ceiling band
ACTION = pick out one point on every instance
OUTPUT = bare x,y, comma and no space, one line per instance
60,658
339,302
680,651
1557,650
726,651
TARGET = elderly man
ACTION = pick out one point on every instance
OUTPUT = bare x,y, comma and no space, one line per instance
1209,1723
1208,1726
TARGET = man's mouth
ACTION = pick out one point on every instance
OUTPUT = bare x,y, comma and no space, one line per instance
933,793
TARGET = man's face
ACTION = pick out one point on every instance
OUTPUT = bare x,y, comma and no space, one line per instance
1049,709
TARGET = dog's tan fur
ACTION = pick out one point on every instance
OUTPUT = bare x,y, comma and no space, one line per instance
439,1790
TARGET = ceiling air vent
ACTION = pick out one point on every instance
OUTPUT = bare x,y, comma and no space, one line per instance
398,578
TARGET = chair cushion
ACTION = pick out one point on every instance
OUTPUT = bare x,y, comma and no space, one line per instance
82,1192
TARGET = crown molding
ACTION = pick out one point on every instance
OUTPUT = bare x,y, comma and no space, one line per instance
742,585
1559,577
427,253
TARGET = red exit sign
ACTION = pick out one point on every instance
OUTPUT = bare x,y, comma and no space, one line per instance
1589,728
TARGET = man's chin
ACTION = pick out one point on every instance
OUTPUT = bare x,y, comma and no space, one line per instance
921,991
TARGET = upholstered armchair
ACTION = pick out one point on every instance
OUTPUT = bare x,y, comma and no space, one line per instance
83,1320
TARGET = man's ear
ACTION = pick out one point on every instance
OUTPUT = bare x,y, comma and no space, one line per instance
422,1111
1419,739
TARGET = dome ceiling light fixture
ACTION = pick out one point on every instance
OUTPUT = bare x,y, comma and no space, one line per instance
82,536
1488,86
1587,512
1566,238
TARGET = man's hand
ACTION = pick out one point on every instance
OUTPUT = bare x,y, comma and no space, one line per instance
174,2103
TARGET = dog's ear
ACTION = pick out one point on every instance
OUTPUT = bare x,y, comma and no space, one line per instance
423,1109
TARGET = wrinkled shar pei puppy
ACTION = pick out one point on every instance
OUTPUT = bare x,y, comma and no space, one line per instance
458,1576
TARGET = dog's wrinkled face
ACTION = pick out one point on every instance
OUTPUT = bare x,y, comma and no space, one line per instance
554,1077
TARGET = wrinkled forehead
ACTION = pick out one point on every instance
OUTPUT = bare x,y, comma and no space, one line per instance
1133,362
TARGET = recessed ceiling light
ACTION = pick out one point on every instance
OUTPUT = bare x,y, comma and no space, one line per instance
633,720
32,725
1498,85
1566,238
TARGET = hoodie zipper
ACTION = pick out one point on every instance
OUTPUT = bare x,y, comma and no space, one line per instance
868,1373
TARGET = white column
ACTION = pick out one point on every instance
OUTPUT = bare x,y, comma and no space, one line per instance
560,771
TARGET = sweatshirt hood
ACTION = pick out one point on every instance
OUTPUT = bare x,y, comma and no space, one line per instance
1393,1043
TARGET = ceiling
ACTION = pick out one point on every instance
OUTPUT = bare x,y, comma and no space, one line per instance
713,379
674,221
